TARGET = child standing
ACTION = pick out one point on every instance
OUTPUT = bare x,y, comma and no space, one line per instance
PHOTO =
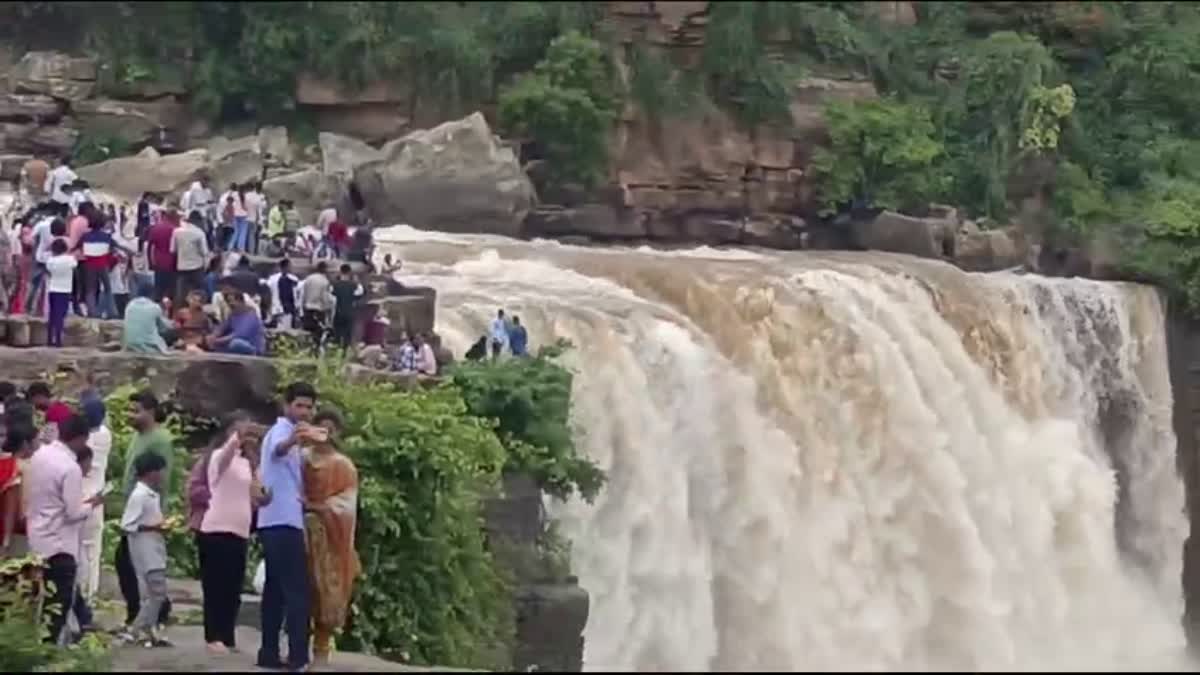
144,525
61,268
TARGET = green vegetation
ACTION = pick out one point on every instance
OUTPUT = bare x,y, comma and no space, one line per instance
432,591
24,651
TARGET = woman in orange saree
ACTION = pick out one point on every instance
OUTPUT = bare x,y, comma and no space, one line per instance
331,503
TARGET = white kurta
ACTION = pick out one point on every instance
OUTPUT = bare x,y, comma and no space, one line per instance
91,545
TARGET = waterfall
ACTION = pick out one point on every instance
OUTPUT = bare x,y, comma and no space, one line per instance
849,460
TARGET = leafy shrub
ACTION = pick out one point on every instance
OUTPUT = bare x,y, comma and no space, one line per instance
567,105
24,650
93,148
881,153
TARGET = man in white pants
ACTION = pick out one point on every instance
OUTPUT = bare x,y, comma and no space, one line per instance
91,540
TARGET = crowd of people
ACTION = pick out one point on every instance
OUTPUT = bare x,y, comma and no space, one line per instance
289,485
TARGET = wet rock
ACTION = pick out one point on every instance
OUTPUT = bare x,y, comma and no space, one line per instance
590,220
274,145
455,177
234,161
898,233
989,250
550,623
310,189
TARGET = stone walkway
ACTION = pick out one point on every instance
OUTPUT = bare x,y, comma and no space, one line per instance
189,655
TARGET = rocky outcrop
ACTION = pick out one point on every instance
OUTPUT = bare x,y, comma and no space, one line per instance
341,155
311,190
55,74
237,161
377,112
137,123
129,177
455,177
29,108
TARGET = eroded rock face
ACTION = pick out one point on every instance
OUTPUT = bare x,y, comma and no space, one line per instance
29,108
234,161
341,155
38,139
455,177
137,123
310,189
898,233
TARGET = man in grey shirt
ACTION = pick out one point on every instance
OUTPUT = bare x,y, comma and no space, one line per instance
190,246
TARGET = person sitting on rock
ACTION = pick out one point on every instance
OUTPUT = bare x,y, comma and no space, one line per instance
242,332
145,324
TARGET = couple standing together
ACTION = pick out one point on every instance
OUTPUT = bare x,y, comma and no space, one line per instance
306,519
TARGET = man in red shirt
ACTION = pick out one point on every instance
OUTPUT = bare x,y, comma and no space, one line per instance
40,397
159,255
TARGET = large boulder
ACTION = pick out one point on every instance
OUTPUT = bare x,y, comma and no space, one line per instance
456,177
274,145
978,250
234,161
341,155
29,108
11,165
129,177
54,74
311,191
375,112
35,139
410,314
137,123
898,233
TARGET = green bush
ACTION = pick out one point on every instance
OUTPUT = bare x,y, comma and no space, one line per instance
93,148
24,649
881,153
567,106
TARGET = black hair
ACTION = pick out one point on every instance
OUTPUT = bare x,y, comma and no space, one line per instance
7,389
297,390
237,416
345,268
58,247
147,400
148,462
331,415
58,227
516,320
75,426
37,389
285,264
84,454
243,261
19,433
322,267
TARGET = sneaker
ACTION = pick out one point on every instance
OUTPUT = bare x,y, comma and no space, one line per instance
124,637
156,643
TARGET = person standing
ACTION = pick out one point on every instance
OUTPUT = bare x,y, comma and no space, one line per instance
426,359
224,536
281,531
99,249
498,331
143,527
92,543
284,288
160,255
55,511
518,339
57,181
331,505
190,246
346,293
316,301
255,205
61,269
150,438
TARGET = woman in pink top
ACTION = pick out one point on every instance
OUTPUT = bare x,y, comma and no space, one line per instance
225,532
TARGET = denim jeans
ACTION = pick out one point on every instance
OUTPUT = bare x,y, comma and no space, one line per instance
37,280
285,594
238,346
241,234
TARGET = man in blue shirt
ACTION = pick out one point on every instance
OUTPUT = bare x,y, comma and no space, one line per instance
518,339
281,531
242,332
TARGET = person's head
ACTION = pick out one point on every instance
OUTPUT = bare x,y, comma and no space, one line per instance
418,339
243,263
299,401
233,187
195,300
58,247
214,265
144,288
345,270
516,320
20,438
387,259
500,314
329,420
39,395
144,410
403,336
7,391
73,432
94,411
285,265
194,218
84,457
322,267
234,298
149,468
58,228
203,180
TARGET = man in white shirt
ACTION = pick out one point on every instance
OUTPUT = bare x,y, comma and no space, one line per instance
255,205
45,232
58,179
498,332
199,197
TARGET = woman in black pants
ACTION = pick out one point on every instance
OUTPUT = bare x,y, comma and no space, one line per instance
225,533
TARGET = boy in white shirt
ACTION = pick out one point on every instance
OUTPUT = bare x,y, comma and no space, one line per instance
61,270
144,525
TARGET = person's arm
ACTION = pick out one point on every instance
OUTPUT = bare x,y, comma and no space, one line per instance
198,492
77,509
161,321
173,247
274,449
204,250
223,333
224,455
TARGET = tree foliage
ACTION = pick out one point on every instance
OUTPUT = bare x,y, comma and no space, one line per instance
880,153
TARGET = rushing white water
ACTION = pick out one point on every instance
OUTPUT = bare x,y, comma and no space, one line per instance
849,461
